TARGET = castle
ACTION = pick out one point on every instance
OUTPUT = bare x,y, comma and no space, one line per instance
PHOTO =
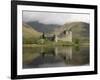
66,35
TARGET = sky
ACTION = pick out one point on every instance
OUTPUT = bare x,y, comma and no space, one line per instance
54,17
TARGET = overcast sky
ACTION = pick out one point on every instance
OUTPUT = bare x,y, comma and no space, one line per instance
54,18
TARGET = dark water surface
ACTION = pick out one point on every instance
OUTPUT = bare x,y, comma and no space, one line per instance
42,57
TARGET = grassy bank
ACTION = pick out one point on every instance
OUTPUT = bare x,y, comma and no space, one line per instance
53,44
48,44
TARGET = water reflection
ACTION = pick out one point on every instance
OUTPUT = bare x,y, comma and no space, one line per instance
64,52
39,57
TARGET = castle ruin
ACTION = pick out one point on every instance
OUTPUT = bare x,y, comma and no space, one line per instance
66,35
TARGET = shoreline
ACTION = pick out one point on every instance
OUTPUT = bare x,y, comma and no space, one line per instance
54,45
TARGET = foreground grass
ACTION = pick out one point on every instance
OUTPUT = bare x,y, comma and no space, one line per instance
55,44
49,43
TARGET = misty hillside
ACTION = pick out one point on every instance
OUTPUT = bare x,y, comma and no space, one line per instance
43,27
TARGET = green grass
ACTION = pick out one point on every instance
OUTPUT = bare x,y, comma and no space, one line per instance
47,43
40,42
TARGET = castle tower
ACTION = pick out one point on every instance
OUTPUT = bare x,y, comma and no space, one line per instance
68,34
55,38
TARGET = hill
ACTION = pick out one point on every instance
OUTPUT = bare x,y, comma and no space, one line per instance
46,28
29,33
79,30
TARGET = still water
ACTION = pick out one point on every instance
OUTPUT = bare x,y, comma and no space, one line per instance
43,57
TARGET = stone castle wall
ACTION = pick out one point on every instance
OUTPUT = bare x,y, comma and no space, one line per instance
67,37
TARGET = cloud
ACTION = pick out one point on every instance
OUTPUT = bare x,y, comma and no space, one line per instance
54,18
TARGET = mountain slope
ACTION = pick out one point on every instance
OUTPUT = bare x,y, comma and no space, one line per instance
46,28
79,29
29,33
